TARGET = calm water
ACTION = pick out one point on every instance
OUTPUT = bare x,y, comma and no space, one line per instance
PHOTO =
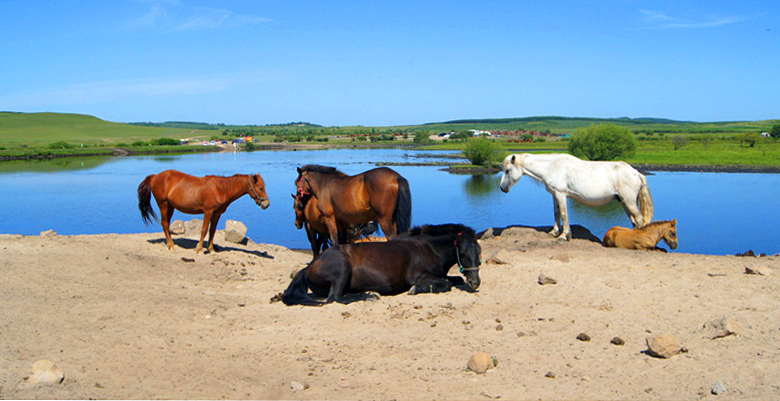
717,213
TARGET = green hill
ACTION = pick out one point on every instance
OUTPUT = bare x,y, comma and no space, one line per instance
39,129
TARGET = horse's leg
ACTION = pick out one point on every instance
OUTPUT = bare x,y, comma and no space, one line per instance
386,222
203,230
166,212
632,211
213,229
556,209
333,229
340,276
426,284
563,215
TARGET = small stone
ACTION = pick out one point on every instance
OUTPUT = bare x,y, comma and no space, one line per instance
583,337
758,270
235,231
48,233
663,346
298,386
194,225
501,257
721,327
177,227
719,388
617,341
550,375
480,362
45,371
499,327
489,233
545,279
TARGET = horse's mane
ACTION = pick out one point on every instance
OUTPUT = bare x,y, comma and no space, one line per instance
443,229
658,223
316,168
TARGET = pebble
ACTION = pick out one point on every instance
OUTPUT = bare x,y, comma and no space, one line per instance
545,280
298,386
45,371
617,341
480,363
663,346
583,337
719,388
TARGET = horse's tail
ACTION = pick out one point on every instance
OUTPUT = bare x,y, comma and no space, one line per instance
403,206
297,293
144,200
645,201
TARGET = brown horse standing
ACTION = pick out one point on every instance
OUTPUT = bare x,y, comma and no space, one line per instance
646,237
210,195
379,194
308,216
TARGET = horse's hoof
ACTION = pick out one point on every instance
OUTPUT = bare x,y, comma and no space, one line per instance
372,296
413,290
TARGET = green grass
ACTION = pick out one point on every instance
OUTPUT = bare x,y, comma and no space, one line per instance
41,129
31,134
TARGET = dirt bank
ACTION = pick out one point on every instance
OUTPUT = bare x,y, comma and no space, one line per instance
122,317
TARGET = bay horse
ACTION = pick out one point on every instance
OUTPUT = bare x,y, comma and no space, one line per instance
308,216
592,183
209,195
417,261
646,237
379,194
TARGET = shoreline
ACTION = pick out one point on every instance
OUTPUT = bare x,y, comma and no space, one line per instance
452,168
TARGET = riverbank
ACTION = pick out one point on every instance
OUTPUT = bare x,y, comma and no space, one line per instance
122,317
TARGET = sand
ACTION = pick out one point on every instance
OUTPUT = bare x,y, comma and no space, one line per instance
124,318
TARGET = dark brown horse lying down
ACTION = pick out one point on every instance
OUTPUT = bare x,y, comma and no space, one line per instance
416,261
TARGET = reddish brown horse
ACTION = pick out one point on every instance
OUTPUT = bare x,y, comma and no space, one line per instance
210,195
308,216
379,194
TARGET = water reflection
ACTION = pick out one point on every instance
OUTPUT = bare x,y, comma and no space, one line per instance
481,185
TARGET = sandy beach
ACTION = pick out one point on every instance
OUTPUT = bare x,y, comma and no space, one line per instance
122,317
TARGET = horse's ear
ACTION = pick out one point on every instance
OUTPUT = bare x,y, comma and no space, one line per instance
513,159
293,196
674,222
299,170
254,179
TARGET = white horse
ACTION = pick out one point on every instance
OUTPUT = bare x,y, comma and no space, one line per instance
592,183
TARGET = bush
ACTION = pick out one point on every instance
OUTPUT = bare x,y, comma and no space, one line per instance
479,151
679,141
164,141
61,145
603,142
775,132
139,143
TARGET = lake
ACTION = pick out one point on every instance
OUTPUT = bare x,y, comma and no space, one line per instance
717,213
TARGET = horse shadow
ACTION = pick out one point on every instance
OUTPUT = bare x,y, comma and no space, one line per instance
186,243
577,231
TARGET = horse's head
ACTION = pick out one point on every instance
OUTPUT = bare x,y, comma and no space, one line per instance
512,172
257,191
299,208
469,255
670,234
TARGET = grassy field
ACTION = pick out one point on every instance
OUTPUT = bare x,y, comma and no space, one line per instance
42,135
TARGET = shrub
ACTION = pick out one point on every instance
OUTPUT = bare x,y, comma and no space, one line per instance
139,143
603,142
164,141
775,132
61,145
679,141
479,151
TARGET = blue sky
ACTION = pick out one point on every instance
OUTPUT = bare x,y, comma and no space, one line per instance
389,63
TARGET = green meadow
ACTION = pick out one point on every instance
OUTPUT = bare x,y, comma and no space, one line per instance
661,141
